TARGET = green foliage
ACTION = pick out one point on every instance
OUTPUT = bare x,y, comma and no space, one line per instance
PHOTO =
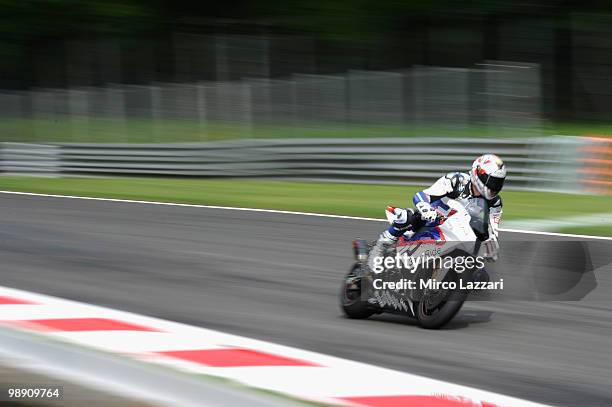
25,19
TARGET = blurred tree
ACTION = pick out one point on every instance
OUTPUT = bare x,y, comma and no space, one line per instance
42,40
28,24
24,19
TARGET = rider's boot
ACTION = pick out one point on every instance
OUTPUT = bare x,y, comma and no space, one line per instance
384,243
401,225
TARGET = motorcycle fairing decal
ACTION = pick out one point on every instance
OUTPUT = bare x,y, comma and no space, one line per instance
411,246
450,213
385,298
429,236
441,234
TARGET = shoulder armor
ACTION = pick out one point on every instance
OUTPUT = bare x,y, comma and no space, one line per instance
458,181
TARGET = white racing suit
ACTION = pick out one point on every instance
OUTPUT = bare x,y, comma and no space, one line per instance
433,200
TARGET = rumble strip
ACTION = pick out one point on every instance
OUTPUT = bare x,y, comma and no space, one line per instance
294,372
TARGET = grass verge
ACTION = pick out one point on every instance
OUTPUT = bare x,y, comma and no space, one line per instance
605,230
341,199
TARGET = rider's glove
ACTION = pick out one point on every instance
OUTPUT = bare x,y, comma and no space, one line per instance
490,248
428,214
398,217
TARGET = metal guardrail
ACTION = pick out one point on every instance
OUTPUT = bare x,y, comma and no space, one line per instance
534,163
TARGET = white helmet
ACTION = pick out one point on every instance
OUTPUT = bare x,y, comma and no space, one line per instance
488,174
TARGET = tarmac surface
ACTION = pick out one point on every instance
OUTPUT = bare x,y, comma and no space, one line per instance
277,277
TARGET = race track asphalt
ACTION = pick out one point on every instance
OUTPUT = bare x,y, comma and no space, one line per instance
276,277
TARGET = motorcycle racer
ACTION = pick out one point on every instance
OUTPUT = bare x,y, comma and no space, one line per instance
485,179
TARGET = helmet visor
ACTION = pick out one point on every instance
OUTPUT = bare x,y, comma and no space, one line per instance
493,183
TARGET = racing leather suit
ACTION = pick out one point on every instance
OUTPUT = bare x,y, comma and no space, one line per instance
454,185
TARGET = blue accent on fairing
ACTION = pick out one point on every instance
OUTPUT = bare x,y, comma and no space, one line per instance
440,204
429,234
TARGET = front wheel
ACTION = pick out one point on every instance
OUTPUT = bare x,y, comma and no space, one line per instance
351,300
438,307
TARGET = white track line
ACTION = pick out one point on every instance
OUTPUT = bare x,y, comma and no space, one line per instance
233,208
323,215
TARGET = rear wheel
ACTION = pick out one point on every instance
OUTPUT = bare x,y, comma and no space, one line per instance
438,307
351,300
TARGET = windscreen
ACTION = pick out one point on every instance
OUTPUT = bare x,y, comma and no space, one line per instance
479,216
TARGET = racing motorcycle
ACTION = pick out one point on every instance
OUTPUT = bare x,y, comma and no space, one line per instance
415,281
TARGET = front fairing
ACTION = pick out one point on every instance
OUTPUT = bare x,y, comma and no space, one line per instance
454,231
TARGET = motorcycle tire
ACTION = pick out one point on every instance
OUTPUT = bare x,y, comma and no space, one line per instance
351,300
439,315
